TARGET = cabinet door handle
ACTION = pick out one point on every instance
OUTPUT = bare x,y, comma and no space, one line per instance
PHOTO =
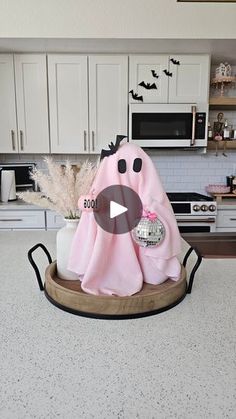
21,140
85,141
93,142
232,219
11,219
13,139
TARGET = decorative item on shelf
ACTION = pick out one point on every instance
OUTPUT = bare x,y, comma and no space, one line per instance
226,131
60,191
218,128
218,189
223,78
224,70
209,130
150,231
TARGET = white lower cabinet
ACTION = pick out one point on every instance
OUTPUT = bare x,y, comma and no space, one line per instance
22,220
54,220
35,219
226,220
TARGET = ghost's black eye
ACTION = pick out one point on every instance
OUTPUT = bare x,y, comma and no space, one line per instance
122,166
137,166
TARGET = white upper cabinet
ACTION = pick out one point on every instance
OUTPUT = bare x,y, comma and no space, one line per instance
190,79
8,127
181,78
149,70
32,103
108,99
68,103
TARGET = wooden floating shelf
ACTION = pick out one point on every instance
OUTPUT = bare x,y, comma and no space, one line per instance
226,79
222,101
231,145
220,196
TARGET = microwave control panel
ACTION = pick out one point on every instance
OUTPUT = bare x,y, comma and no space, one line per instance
200,129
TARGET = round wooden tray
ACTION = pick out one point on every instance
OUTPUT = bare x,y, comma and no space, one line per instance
152,299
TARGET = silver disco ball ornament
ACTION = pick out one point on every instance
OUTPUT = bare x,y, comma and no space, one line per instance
148,233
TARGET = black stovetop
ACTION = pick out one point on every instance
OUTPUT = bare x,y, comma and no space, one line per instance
187,197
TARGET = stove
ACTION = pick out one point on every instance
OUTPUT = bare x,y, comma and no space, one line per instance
194,212
187,196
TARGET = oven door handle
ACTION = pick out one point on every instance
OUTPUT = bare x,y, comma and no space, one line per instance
193,109
197,220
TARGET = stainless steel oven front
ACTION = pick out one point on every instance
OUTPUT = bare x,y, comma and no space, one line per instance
168,125
201,224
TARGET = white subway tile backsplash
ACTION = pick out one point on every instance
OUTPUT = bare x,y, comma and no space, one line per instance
179,170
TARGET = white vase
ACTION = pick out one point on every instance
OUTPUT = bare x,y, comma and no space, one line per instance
64,240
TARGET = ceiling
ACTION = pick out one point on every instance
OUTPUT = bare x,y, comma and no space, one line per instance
220,49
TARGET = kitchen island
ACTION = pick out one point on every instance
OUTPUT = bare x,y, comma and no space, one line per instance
178,364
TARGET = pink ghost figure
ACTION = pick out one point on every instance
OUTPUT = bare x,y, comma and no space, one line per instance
113,264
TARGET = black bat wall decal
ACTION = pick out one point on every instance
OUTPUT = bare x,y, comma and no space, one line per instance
113,147
176,62
154,74
135,96
167,73
148,86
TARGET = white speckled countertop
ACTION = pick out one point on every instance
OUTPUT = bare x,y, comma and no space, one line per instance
18,205
178,364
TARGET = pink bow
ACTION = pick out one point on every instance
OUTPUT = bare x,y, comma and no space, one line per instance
152,216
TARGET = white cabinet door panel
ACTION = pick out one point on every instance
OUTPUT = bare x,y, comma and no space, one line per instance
68,103
54,220
190,79
8,127
32,103
140,69
108,99
226,219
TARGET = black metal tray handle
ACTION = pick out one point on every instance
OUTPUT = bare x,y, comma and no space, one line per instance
195,268
35,267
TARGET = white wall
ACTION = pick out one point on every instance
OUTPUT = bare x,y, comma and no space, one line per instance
116,19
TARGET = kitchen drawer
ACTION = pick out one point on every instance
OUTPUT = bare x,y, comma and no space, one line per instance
226,218
54,220
22,219
226,230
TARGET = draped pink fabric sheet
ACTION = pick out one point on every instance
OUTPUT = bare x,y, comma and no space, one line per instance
113,264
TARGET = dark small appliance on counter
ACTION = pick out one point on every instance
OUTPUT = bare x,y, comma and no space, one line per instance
231,181
22,175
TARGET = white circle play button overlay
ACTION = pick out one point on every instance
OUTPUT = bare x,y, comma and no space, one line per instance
118,209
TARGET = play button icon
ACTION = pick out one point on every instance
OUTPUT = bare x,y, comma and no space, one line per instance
118,209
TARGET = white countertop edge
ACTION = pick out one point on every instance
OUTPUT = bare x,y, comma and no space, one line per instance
19,205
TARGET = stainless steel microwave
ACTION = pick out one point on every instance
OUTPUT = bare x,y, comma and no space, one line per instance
22,175
168,125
